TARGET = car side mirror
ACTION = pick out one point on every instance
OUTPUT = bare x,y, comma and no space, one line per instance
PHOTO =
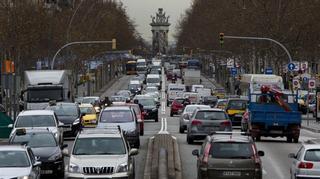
10,126
261,153
65,152
64,146
37,163
133,152
292,155
195,152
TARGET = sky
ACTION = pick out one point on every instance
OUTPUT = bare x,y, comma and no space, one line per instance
140,11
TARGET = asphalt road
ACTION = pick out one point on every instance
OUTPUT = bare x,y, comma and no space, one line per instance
275,162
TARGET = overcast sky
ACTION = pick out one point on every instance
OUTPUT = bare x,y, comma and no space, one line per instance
141,10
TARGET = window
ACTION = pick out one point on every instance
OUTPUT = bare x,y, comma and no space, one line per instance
35,121
312,155
65,110
45,94
211,115
231,150
237,104
99,146
36,140
14,159
116,116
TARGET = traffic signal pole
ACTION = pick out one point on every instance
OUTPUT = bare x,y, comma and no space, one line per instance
262,38
113,42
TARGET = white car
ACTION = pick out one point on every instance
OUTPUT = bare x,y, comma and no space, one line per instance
39,119
187,112
18,161
101,153
306,162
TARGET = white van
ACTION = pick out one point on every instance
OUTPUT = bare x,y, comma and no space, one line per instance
195,87
192,96
141,66
174,90
154,80
202,92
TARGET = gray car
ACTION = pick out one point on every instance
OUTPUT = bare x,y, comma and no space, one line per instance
206,121
125,117
226,156
306,162
187,112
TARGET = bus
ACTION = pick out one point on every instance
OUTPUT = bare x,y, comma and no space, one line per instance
193,64
131,67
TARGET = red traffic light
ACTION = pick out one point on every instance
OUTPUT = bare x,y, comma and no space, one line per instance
221,34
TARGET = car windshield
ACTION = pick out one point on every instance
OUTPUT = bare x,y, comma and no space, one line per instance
116,116
211,115
65,110
134,86
45,94
99,146
36,140
14,159
152,89
312,155
35,121
153,80
231,150
123,93
118,98
237,104
147,101
87,110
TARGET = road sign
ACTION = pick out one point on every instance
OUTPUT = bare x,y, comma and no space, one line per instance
312,84
233,71
305,79
268,71
291,66
295,84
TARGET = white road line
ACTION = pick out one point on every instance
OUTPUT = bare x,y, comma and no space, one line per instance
163,95
165,125
163,107
163,129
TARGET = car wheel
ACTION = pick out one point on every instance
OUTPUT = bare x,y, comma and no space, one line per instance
61,172
181,129
289,139
137,144
167,103
141,132
296,140
156,119
171,114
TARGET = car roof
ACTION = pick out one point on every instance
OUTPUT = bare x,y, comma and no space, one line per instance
36,112
153,76
198,105
230,137
86,105
12,148
142,96
113,108
311,146
97,97
212,109
100,132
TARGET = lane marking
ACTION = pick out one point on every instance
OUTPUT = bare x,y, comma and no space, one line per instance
163,107
163,129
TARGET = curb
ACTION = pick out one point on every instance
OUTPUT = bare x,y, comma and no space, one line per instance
147,167
177,159
310,129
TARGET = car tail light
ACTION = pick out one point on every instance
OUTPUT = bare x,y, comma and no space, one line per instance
305,165
196,122
225,123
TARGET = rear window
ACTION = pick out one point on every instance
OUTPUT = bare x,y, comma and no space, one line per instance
211,115
116,116
231,150
180,100
312,155
237,104
36,121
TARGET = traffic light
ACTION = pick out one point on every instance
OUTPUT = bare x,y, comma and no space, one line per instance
221,39
114,44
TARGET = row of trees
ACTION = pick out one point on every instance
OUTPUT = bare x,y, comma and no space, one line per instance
295,23
32,30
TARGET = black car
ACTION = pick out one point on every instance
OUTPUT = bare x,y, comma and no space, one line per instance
150,107
45,147
68,114
210,100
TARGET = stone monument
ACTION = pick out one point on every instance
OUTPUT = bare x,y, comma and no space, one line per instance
160,29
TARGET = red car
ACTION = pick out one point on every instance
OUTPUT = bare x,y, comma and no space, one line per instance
177,106
169,75
136,108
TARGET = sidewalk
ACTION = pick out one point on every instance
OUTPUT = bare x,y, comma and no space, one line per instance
313,126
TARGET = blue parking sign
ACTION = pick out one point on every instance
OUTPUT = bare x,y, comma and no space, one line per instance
291,66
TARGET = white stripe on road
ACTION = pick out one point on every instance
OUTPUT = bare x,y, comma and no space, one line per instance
163,95
163,107
163,129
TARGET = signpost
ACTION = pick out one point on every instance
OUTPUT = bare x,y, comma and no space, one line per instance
291,66
311,85
268,71
233,71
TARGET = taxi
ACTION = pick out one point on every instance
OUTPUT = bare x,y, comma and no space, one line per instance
89,115
235,108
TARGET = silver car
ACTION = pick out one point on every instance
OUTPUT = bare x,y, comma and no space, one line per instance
306,162
18,161
204,122
188,110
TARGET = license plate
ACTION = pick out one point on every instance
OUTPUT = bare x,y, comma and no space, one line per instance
231,173
238,115
275,132
67,129
46,171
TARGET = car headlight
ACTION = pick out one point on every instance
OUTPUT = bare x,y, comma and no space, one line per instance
55,157
97,108
73,168
24,177
122,168
75,122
